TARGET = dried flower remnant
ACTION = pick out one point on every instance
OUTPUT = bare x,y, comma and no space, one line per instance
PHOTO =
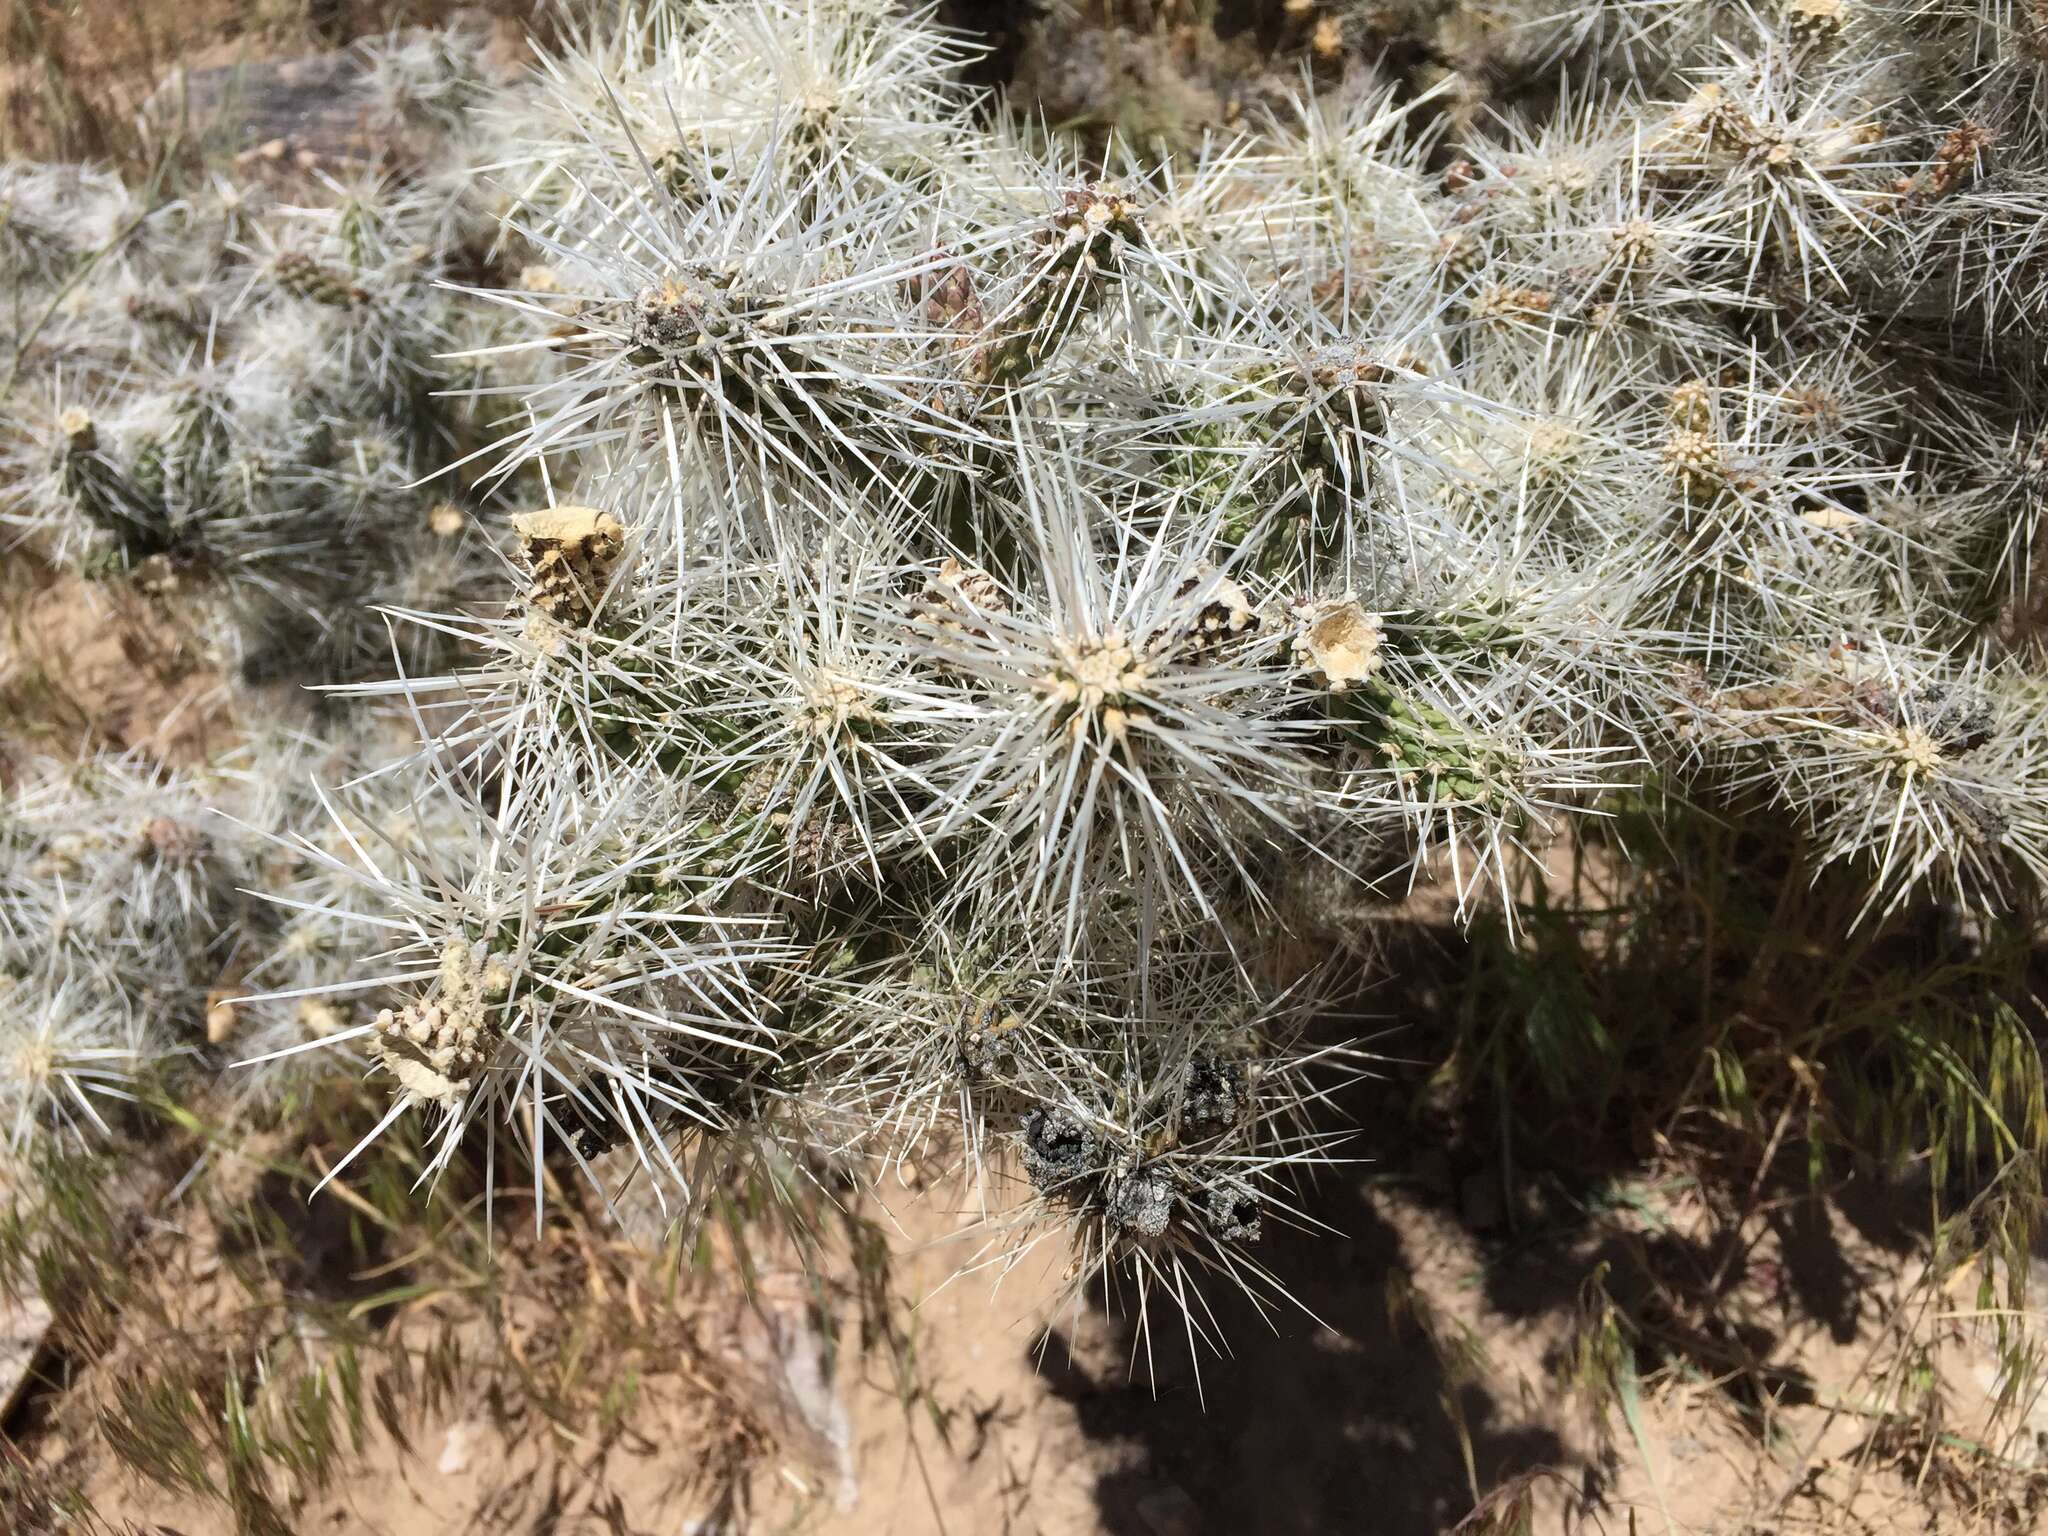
1956,164
677,319
954,596
1812,23
1337,643
570,552
436,1048
1694,461
1226,613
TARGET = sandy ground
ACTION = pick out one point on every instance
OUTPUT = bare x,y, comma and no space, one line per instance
1027,1417
98,664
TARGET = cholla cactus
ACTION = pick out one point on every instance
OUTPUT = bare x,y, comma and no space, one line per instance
977,586
50,216
127,932
1923,768
582,964
231,400
115,870
966,596
66,1061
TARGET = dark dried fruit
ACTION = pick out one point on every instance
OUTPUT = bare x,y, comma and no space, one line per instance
1231,1215
1141,1202
1058,1149
1212,1094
